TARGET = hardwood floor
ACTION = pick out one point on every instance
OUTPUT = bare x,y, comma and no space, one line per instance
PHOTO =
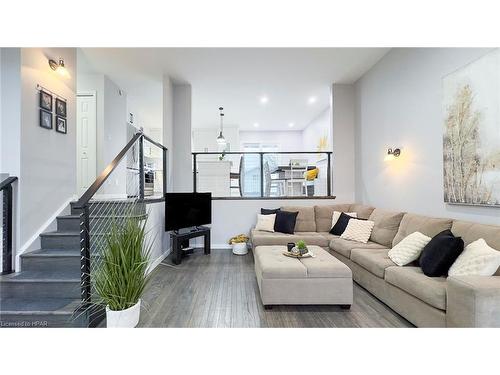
220,290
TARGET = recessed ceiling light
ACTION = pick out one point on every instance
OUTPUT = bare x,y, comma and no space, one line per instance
256,125
264,99
291,125
312,99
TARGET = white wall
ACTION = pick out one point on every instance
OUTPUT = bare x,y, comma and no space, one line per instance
10,115
287,140
111,127
343,160
48,159
398,104
320,126
168,127
182,164
156,237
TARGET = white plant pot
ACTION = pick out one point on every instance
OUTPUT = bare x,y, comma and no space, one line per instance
128,318
240,248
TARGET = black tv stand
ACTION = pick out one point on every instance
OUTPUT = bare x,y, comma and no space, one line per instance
179,238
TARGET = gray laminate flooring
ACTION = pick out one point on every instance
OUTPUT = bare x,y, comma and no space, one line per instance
220,290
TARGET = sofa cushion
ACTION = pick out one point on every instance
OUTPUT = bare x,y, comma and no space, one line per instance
274,265
364,212
344,247
386,226
471,232
373,260
323,215
305,219
260,238
328,236
431,290
430,226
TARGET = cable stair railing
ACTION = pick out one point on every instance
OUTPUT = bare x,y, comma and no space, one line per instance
121,192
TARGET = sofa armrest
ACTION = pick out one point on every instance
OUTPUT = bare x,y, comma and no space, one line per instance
473,301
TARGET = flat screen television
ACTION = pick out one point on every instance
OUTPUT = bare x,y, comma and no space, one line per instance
184,210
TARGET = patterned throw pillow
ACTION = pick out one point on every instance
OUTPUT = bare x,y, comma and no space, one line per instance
265,222
478,259
409,249
358,230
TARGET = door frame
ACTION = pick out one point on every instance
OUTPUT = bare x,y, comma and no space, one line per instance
88,93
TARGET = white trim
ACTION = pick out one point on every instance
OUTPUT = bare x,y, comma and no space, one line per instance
223,246
34,242
158,260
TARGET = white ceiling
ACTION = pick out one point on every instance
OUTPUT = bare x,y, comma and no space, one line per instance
236,78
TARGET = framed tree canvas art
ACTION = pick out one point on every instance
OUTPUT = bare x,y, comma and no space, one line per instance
471,142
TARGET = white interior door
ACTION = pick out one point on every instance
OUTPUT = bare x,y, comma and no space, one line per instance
86,140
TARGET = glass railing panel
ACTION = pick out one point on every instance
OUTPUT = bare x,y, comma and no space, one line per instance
263,174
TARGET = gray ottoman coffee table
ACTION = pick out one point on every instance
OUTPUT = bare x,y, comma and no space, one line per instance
322,280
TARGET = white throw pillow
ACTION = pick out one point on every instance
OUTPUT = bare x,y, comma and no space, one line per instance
358,230
336,215
265,222
477,259
408,249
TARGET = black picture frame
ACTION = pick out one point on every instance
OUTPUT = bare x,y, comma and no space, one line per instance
60,108
61,125
45,100
45,119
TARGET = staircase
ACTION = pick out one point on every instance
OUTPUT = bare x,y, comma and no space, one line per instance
46,292
53,279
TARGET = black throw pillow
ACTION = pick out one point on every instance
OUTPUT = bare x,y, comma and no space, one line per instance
341,224
269,211
285,222
440,253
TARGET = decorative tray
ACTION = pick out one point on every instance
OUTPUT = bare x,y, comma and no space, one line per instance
306,255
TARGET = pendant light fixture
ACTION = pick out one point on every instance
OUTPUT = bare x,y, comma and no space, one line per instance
220,138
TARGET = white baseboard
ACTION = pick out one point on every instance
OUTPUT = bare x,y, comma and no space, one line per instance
221,246
158,260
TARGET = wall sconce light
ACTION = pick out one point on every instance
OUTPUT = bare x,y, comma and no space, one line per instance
59,67
392,154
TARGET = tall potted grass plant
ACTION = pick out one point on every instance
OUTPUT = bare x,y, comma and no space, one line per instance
121,277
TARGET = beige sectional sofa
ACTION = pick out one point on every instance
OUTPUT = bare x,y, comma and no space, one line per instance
425,301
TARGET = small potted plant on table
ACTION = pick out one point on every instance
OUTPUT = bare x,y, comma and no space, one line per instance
239,244
301,247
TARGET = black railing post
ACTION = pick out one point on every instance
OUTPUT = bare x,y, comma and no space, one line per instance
7,231
261,174
164,171
141,168
329,175
194,172
85,254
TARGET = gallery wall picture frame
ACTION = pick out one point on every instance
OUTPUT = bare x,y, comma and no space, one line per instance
61,125
60,108
45,100
45,120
